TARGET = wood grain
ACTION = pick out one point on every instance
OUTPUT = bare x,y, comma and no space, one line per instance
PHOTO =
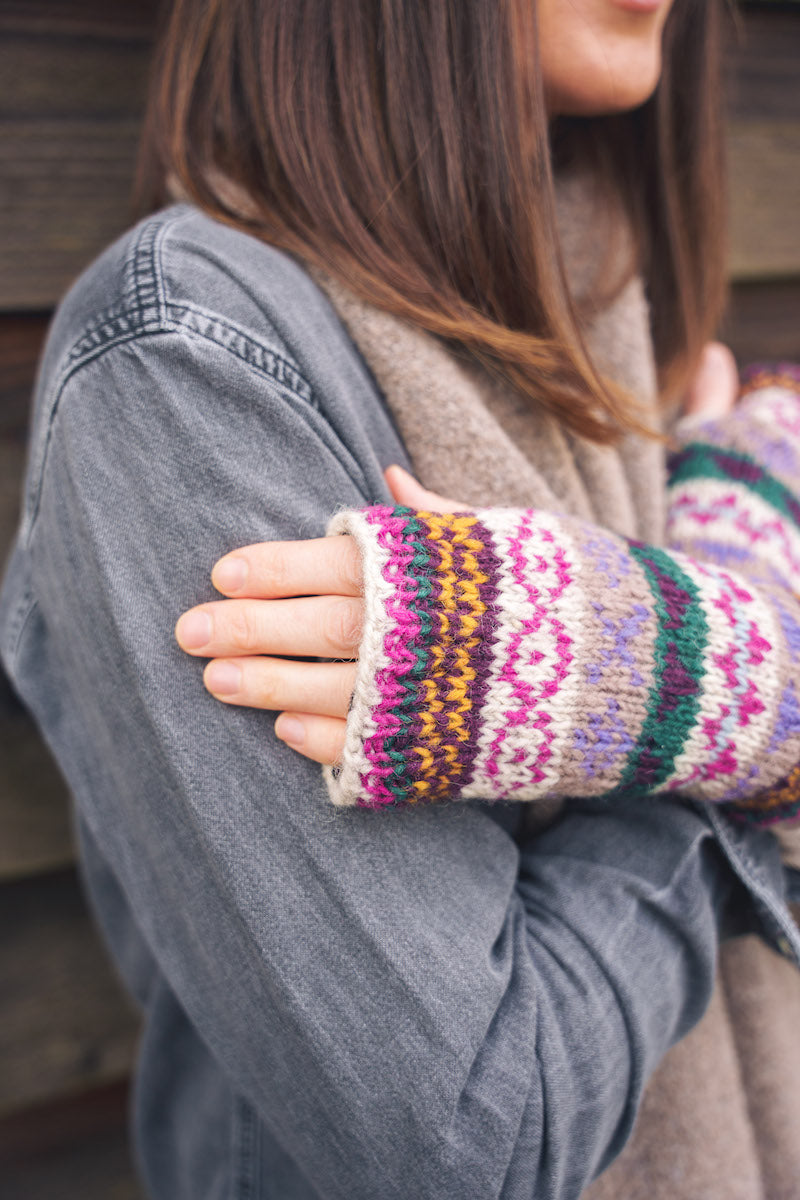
35,826
764,182
62,77
21,340
35,833
762,62
73,1149
763,321
65,1023
108,19
72,80
65,194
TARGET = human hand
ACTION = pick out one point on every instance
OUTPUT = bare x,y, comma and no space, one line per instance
714,387
295,600
288,601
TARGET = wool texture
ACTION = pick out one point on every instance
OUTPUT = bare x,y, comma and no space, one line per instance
515,654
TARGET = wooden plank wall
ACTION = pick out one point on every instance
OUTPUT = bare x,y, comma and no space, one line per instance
72,79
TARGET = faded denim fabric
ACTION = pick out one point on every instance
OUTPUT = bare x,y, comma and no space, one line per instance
338,1004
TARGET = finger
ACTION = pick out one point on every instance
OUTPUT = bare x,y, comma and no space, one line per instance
278,683
312,626
318,738
315,566
714,386
407,491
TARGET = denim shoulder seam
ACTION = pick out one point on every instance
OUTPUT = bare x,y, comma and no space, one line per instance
146,308
146,311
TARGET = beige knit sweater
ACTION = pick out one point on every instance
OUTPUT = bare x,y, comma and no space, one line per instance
721,1116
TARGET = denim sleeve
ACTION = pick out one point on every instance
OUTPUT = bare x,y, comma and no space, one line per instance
415,1004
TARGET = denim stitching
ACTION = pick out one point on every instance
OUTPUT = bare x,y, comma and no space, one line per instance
17,624
147,314
787,942
245,1153
233,338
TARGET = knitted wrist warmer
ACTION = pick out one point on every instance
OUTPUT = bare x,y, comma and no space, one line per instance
516,654
734,500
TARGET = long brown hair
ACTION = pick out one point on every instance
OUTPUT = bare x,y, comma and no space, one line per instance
405,147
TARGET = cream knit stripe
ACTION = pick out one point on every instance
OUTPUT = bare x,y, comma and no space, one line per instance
522,667
741,675
345,782
506,697
780,753
562,695
776,409
726,523
783,751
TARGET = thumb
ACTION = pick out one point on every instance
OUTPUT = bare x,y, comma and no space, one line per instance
714,387
406,491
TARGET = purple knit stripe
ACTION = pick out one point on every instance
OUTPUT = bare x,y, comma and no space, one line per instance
456,715
483,655
445,748
762,375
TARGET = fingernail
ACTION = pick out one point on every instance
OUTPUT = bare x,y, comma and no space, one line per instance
230,574
223,678
193,630
290,730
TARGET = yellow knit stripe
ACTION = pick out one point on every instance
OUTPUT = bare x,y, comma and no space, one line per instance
446,532
430,737
765,802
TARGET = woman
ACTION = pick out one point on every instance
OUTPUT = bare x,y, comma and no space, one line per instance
412,1002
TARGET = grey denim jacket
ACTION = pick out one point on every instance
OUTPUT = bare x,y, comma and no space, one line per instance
338,1004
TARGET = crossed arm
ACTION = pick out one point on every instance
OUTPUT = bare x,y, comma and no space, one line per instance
516,655
411,1001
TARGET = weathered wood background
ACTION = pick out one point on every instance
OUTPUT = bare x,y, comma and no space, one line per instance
72,79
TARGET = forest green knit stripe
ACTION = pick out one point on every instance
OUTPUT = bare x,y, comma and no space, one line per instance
698,460
673,703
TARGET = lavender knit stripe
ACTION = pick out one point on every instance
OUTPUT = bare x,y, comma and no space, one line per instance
616,670
674,702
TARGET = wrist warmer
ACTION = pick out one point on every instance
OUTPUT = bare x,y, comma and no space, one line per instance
516,654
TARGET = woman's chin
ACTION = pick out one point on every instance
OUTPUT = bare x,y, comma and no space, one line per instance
601,90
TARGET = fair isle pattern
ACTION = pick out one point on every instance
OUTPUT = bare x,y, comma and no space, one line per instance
739,683
758,377
498,661
516,654
733,527
530,668
618,671
733,501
